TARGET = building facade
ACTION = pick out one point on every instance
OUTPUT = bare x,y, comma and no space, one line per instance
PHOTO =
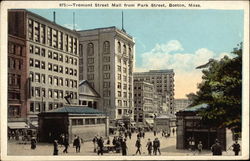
163,81
52,63
107,62
17,68
144,101
181,104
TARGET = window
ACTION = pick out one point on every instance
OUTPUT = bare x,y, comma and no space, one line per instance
37,77
106,67
50,106
31,49
119,85
75,72
106,47
31,62
119,77
66,70
125,78
106,93
55,56
119,68
56,82
37,63
61,94
31,106
90,68
43,65
119,111
119,103
61,69
61,57
90,49
124,49
125,86
67,82
106,75
124,62
55,67
106,59
50,54
37,50
90,60
119,47
106,84
124,70
50,79
125,94
75,61
61,81
90,76
119,93
50,66
43,78
31,77
66,59
50,93
55,93
37,92
43,92
71,71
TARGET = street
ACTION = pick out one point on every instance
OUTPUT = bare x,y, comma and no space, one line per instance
168,148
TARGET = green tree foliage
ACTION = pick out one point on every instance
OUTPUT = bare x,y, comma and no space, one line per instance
221,88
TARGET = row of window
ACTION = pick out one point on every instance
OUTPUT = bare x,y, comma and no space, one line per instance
46,35
52,93
14,95
15,63
53,80
88,121
15,49
124,51
90,48
41,106
52,55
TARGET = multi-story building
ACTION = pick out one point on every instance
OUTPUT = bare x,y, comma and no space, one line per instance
17,68
52,62
181,104
144,99
107,61
163,81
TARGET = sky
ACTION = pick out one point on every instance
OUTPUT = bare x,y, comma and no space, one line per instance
166,39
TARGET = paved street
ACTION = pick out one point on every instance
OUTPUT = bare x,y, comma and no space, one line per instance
168,148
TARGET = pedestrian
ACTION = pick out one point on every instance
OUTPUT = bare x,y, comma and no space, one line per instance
66,145
189,143
124,147
149,147
236,147
156,146
216,148
95,142
77,144
200,146
55,148
33,143
173,131
108,141
154,132
129,134
192,144
138,146
143,134
100,146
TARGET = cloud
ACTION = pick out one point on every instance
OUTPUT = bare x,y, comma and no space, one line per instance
172,55
70,26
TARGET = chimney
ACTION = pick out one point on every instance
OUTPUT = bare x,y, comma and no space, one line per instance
54,17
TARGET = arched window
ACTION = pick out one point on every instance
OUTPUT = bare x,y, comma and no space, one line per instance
106,47
124,49
90,49
119,47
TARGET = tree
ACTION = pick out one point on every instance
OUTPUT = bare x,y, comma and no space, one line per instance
221,89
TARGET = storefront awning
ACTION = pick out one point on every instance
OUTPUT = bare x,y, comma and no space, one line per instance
17,125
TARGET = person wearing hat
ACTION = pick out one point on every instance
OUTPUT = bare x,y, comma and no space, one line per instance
216,148
33,143
55,148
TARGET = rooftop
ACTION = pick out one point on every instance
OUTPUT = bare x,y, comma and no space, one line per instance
76,110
